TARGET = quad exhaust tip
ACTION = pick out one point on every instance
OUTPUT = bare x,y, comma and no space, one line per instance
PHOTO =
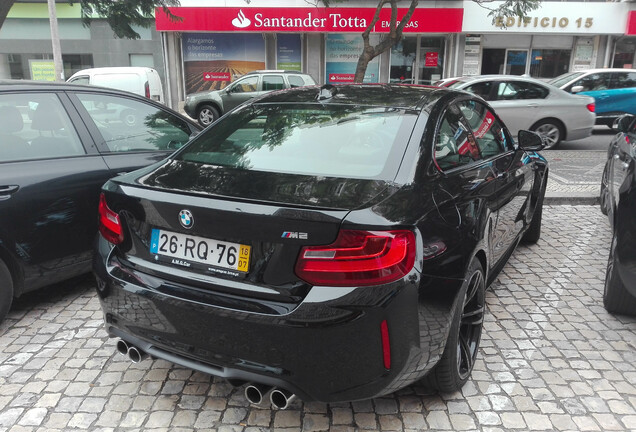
281,398
133,353
255,393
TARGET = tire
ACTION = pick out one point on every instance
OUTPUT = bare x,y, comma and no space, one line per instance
207,114
462,346
533,233
616,298
604,195
6,290
550,130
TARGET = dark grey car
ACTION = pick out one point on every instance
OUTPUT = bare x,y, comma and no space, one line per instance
207,106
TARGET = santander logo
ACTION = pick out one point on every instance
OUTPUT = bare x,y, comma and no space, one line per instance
241,21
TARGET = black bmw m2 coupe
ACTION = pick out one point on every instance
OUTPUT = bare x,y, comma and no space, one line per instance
333,243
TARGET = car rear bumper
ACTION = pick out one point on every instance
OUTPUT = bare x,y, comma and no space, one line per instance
329,348
580,133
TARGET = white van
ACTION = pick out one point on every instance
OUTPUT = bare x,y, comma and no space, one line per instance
143,81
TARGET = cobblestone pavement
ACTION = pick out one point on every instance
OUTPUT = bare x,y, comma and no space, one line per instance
551,359
574,171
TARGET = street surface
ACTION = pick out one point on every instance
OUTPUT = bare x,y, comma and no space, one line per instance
551,359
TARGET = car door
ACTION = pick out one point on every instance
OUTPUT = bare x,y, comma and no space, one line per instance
466,194
131,133
242,90
619,164
621,96
596,85
519,104
50,176
512,177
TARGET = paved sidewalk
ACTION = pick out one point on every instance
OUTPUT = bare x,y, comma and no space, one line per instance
575,176
551,359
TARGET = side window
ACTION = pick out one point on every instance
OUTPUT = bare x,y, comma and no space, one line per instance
36,126
507,91
81,80
595,81
623,80
245,85
481,89
131,125
527,90
488,132
273,82
454,144
295,81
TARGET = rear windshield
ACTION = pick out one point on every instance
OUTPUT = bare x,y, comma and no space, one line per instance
564,79
310,139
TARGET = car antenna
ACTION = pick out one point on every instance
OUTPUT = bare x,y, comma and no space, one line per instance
327,91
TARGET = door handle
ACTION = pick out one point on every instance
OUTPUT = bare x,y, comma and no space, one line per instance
533,105
7,190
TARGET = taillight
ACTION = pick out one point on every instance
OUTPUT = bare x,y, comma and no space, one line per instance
358,258
147,89
109,224
591,107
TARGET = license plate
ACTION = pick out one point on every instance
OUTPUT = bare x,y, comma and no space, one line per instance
232,256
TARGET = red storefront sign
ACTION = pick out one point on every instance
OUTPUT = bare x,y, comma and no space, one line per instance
341,78
431,59
631,23
305,19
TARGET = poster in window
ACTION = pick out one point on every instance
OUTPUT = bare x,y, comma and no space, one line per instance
288,49
213,60
431,59
343,51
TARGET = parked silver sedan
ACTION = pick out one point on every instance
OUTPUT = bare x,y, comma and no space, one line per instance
526,103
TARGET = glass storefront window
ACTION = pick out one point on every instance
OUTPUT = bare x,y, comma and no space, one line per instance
403,56
516,62
431,60
288,52
624,54
549,63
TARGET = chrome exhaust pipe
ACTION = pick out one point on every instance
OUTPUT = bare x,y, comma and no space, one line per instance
122,347
255,393
136,355
281,398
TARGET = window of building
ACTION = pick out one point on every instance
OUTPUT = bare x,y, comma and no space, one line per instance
549,63
142,60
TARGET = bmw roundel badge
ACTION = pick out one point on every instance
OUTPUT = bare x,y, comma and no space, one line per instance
186,219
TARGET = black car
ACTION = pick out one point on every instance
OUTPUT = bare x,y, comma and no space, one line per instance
59,143
618,202
334,243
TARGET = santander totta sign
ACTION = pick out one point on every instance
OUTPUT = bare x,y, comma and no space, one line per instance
305,19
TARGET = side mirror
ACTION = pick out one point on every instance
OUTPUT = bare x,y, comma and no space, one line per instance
623,123
577,89
530,141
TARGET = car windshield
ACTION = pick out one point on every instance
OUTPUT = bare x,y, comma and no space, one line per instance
312,139
564,79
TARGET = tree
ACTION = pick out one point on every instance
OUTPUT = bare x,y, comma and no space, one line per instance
120,15
519,8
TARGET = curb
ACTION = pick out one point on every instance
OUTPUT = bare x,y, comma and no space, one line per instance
564,199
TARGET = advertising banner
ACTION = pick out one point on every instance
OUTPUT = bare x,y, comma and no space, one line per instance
343,51
42,70
306,19
431,59
288,52
211,61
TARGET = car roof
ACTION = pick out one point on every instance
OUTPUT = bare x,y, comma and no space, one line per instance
54,85
474,78
382,95
275,71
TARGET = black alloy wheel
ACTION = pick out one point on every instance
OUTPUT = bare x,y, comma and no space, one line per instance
6,290
604,196
616,298
462,346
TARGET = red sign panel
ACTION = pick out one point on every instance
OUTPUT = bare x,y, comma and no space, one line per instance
217,76
485,125
631,23
341,78
305,19
431,59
